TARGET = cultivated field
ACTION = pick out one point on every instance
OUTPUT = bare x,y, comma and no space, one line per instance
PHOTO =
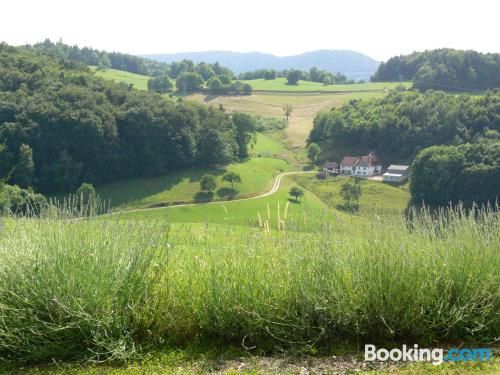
306,106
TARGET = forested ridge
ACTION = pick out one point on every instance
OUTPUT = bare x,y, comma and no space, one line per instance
443,69
126,62
60,126
452,142
188,76
401,124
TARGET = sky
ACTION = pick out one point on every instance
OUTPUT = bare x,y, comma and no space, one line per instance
378,28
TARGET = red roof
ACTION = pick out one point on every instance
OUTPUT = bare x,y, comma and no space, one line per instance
349,161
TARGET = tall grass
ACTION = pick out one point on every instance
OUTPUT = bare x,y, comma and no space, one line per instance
110,288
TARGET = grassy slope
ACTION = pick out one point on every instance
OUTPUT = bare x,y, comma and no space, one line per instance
239,213
140,82
257,176
279,84
320,195
376,197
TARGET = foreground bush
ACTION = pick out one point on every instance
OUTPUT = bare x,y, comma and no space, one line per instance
110,288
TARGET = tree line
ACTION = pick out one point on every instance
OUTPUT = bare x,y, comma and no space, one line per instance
188,76
60,125
294,75
402,126
443,69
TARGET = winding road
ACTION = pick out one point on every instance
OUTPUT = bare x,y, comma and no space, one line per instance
274,189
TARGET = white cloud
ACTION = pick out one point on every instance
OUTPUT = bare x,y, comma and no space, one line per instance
378,28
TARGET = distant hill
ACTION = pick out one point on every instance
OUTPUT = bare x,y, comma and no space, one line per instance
353,64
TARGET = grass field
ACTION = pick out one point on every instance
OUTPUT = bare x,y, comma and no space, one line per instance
139,82
238,213
321,200
267,145
376,197
257,176
280,84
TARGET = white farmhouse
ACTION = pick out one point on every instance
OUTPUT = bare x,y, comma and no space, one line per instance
361,166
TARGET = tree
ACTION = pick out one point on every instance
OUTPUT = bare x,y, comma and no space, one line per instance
160,84
350,191
86,192
270,74
327,80
86,198
225,79
215,85
312,152
24,168
246,89
245,132
208,183
189,82
232,178
287,110
314,74
293,76
296,192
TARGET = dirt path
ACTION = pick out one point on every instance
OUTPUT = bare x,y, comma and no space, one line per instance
274,189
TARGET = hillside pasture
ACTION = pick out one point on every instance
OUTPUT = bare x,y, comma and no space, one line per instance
239,212
280,84
181,187
321,199
376,197
138,81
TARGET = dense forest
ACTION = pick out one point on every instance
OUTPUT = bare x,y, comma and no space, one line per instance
452,174
401,125
60,126
443,69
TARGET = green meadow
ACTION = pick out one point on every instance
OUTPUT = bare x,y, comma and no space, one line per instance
376,197
280,84
138,81
257,176
242,212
